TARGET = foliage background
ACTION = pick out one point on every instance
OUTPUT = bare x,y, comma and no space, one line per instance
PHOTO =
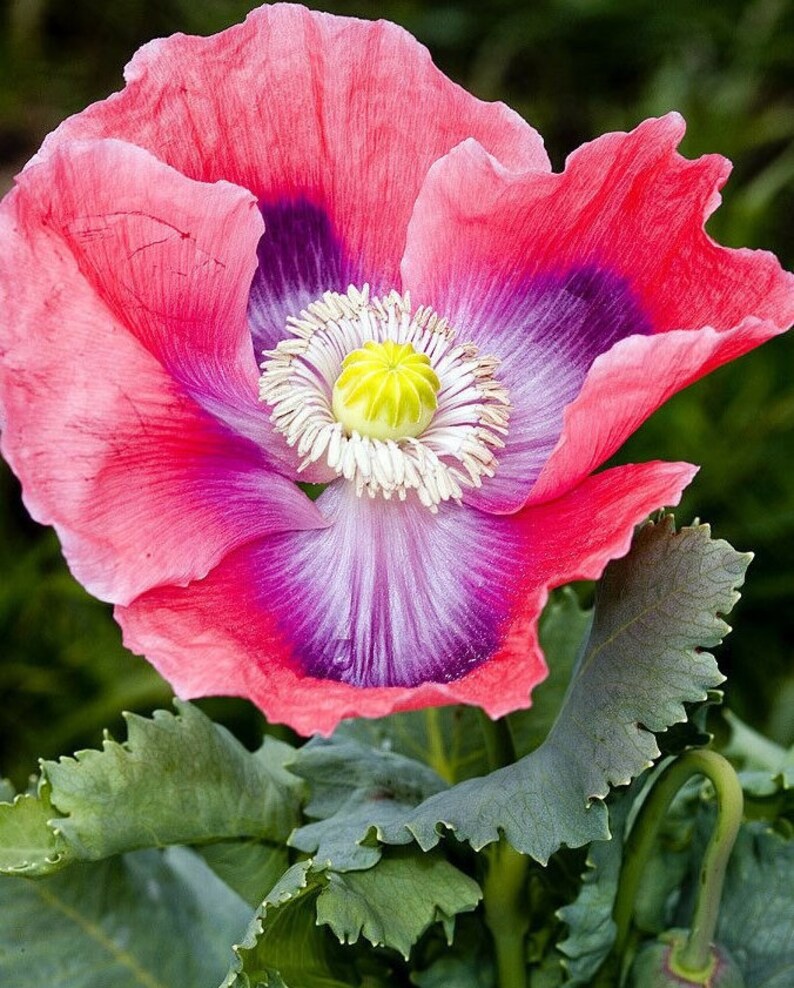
574,68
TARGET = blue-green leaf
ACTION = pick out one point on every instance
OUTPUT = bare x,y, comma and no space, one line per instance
145,920
355,790
656,612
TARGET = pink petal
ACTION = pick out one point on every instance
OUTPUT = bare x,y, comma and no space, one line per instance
142,485
298,105
171,258
572,538
488,248
627,384
414,597
410,592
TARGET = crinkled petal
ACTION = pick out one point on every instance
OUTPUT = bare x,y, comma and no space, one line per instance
171,258
303,107
571,538
548,271
627,384
143,486
446,605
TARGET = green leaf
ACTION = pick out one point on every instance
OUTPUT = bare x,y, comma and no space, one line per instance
355,789
448,739
468,963
563,629
457,971
655,612
283,946
178,779
28,844
766,767
147,920
6,791
248,867
549,974
591,930
453,970
394,903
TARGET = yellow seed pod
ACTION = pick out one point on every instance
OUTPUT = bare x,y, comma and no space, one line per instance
386,391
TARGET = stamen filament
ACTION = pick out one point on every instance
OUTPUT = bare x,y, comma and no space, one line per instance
386,397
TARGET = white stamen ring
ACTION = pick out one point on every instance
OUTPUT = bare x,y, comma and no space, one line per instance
456,450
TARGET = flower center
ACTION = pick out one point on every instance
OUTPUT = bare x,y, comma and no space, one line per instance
387,396
386,391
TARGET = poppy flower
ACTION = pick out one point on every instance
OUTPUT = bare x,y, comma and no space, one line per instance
295,253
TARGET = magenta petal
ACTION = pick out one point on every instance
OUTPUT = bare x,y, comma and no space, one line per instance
143,486
138,286
415,596
298,105
300,257
466,596
489,248
627,384
171,258
471,254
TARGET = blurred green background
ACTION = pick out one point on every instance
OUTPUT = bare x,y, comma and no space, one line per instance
574,68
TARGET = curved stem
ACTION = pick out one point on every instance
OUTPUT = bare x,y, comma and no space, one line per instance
695,955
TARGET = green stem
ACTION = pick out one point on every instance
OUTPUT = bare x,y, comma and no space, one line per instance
505,885
730,802
437,754
498,741
506,915
695,955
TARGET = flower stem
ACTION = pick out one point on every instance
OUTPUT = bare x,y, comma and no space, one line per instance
695,955
506,916
730,804
438,759
498,742
505,885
